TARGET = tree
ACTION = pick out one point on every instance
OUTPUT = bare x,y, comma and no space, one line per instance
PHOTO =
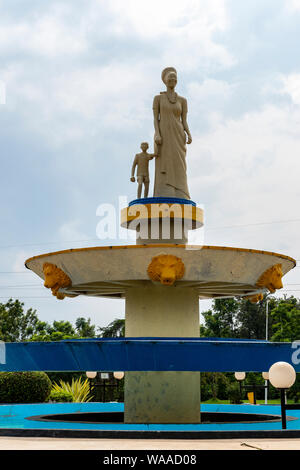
15,323
238,318
115,328
59,331
286,320
251,318
220,322
84,328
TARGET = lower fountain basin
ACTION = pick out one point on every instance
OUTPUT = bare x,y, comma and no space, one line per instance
118,417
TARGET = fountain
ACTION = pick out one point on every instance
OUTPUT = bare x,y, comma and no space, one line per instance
162,279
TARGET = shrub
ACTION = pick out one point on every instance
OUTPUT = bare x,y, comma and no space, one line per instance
234,394
60,397
79,390
24,387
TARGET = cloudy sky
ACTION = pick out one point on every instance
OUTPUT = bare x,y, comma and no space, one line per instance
77,80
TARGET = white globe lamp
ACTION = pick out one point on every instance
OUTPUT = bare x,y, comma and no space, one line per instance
91,375
282,375
118,375
240,376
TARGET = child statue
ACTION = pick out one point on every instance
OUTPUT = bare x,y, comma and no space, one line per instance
141,160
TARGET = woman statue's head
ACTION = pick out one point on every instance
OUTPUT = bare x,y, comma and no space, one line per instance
169,77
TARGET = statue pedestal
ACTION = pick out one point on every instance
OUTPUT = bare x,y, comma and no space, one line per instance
161,220
162,397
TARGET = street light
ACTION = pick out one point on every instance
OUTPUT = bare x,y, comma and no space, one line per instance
266,377
282,375
91,375
240,376
118,375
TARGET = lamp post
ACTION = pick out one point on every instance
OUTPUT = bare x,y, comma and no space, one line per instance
102,382
240,376
91,375
118,375
282,376
266,377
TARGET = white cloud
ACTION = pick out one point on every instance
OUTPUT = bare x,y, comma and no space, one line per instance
184,29
70,102
293,4
18,263
253,177
157,17
291,86
208,98
46,36
70,231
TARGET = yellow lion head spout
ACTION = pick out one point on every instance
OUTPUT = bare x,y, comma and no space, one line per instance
255,298
55,278
166,269
271,278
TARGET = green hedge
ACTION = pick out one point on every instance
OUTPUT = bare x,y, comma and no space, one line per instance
60,397
24,387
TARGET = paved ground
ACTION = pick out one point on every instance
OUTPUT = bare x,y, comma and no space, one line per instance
20,443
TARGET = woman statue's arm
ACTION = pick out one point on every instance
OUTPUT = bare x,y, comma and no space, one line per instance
184,120
157,136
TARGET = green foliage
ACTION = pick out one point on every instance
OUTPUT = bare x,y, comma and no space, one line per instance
15,323
286,320
61,330
24,387
296,397
65,376
251,318
220,322
213,385
84,328
58,331
114,329
60,396
239,318
79,389
234,394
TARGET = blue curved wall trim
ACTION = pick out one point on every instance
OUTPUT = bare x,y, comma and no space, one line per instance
148,354
162,200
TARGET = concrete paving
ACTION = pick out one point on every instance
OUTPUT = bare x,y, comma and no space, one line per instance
20,443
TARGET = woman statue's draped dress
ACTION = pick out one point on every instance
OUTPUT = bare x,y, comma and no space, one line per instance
170,164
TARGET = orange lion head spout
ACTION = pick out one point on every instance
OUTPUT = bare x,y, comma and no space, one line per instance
166,269
255,298
55,278
271,278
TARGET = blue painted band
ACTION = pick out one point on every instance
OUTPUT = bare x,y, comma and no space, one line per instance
162,200
14,422
148,354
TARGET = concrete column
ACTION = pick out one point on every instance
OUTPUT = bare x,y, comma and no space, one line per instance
166,230
162,397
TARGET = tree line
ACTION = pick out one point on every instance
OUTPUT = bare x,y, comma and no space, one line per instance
227,318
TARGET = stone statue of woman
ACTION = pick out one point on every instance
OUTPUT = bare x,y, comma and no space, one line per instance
171,135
